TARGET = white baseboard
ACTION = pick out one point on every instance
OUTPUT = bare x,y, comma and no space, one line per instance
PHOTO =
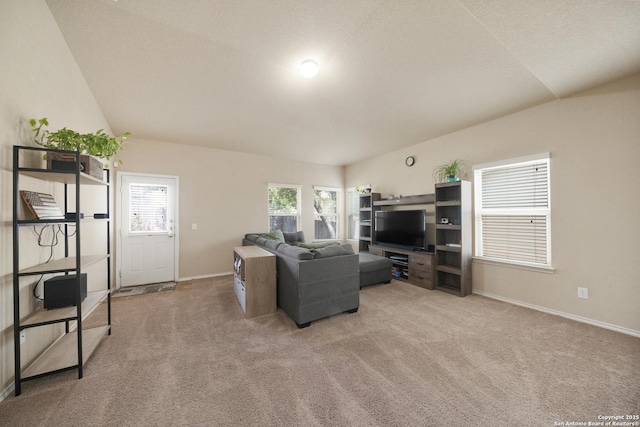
204,276
7,391
561,313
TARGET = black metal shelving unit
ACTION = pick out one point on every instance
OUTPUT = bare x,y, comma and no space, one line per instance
75,346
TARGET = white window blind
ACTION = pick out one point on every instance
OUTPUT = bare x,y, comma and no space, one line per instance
512,211
148,207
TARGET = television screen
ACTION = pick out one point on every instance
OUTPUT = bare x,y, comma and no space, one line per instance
404,229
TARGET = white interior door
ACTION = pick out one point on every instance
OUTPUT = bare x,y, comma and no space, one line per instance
147,229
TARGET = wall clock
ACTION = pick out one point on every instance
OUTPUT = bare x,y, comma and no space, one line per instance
409,161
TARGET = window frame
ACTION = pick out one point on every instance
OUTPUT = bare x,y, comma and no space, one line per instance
338,213
353,192
515,212
298,213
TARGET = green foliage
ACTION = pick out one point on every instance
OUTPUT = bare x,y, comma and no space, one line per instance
283,199
325,201
97,144
457,169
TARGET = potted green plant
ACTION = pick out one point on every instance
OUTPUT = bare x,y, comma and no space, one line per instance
97,144
451,171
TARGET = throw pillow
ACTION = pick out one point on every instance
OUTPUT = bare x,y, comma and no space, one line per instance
274,235
294,237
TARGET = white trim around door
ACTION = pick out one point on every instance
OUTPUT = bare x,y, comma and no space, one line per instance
123,221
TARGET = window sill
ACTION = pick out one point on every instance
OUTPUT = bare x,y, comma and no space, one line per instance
520,266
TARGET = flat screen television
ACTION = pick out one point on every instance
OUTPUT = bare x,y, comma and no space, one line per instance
402,229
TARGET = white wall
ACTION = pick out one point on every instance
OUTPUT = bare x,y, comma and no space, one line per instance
225,194
593,137
594,141
39,78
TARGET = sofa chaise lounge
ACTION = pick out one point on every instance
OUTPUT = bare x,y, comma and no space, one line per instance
312,283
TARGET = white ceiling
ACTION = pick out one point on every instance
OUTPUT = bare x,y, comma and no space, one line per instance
394,73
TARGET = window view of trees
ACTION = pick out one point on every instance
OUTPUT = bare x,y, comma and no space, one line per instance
325,205
284,208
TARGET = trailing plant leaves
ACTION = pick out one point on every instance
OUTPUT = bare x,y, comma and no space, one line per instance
97,144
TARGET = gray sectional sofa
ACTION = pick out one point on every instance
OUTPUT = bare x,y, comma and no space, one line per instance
312,282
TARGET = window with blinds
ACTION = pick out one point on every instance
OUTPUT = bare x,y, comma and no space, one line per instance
512,211
148,208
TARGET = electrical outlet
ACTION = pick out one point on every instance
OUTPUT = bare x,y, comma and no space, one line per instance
23,337
583,293
194,226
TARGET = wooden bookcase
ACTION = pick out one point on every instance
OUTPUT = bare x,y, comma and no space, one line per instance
367,218
414,267
254,280
453,237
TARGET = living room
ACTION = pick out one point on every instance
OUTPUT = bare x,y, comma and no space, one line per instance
592,136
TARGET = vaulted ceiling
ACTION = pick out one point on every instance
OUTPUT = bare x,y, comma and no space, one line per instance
393,73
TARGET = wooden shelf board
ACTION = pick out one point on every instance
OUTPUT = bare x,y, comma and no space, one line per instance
449,248
43,316
420,199
37,222
63,265
448,227
63,177
64,352
449,269
448,203
252,252
449,184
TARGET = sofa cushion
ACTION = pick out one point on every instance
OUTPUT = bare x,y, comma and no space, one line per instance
274,235
294,237
369,262
273,244
295,252
317,245
251,237
331,251
261,241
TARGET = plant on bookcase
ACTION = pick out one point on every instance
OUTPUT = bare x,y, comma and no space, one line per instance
451,171
98,144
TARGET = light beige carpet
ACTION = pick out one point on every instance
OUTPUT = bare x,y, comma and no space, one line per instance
408,357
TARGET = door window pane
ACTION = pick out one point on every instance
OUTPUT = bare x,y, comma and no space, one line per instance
148,208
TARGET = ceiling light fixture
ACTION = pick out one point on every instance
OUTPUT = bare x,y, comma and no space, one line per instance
309,68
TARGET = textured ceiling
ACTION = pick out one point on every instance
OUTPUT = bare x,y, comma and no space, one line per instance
224,73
